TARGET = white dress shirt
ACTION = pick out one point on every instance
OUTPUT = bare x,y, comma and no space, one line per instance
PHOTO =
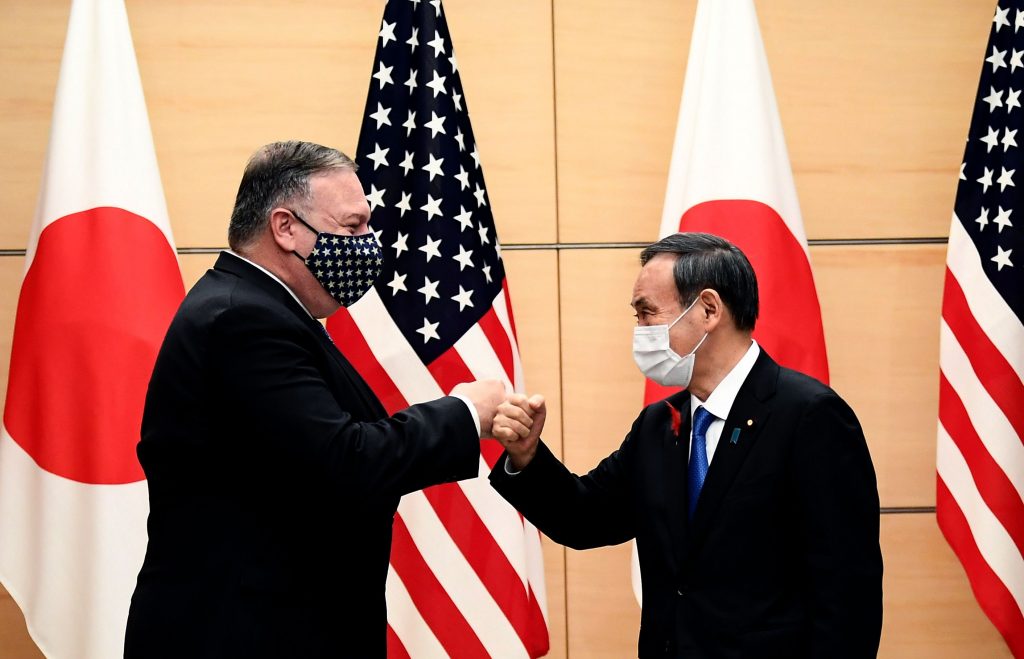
719,403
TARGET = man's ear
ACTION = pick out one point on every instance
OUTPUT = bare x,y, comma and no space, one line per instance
284,229
712,307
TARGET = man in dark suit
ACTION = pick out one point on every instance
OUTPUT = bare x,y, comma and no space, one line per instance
750,493
274,472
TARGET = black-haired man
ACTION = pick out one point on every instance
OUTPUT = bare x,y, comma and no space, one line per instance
751,493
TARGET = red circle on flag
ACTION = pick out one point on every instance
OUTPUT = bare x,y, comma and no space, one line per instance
94,307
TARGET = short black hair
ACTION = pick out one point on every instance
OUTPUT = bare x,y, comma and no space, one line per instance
278,173
708,261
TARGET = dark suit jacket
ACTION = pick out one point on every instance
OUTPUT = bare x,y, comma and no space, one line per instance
274,476
781,559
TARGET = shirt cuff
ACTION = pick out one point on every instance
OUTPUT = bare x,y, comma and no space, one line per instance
508,467
472,411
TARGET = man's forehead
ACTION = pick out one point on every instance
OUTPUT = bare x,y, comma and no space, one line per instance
655,285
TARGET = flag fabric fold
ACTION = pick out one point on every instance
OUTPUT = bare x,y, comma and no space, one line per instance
980,448
101,285
730,176
466,576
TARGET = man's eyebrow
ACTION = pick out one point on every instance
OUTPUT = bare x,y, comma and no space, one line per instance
639,302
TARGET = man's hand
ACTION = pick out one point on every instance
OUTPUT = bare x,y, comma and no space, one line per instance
486,395
518,425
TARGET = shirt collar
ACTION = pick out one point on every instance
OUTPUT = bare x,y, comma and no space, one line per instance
721,399
272,276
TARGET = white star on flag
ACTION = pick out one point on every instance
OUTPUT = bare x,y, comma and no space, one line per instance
437,43
403,204
1002,218
436,125
381,116
996,59
383,75
994,99
1005,178
463,257
400,245
431,248
379,157
1002,258
432,207
434,168
397,283
429,330
375,198
463,298
429,290
437,84
387,33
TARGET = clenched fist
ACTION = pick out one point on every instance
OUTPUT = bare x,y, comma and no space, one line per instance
518,425
486,395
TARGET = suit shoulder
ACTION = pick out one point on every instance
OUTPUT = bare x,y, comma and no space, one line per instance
222,295
802,385
812,396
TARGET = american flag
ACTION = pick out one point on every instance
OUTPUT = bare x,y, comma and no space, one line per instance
980,457
466,576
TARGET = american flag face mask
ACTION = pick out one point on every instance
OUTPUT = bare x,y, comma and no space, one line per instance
345,265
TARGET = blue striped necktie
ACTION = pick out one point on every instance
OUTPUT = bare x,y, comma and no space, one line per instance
698,467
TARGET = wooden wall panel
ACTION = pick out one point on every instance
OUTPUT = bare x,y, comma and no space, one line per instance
602,394
880,307
602,388
929,608
301,70
11,273
533,285
31,39
604,618
221,79
875,99
618,81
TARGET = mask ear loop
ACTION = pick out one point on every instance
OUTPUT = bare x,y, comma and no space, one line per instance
699,343
680,317
307,225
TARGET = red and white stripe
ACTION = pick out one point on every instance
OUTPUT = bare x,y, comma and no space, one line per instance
980,455
466,577
101,284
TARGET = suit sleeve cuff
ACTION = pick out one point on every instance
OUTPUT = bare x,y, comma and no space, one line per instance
472,411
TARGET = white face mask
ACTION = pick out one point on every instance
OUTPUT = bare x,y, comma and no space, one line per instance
655,357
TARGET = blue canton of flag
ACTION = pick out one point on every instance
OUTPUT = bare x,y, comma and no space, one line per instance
419,166
988,198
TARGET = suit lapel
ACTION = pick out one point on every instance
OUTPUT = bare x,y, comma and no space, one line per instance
676,448
356,385
747,417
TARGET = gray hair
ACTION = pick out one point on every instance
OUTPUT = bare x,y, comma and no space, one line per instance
276,174
708,261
